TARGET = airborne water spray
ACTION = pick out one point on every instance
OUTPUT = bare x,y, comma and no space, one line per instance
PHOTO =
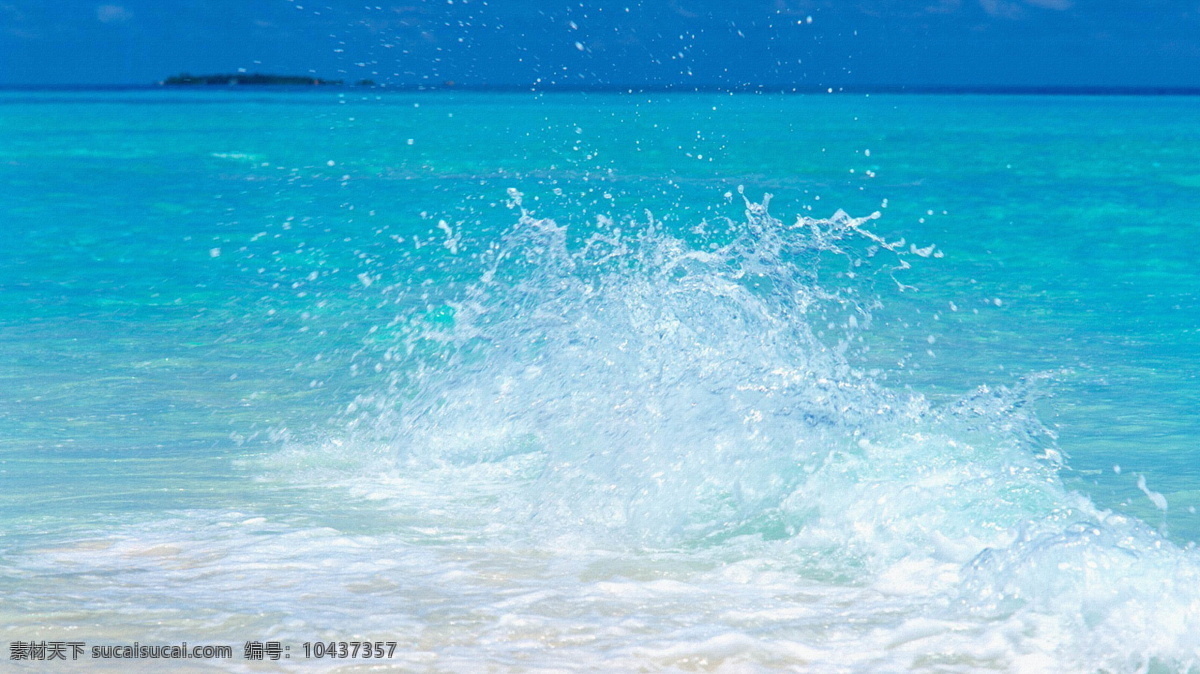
630,402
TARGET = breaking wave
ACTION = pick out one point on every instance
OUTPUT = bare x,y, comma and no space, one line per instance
689,405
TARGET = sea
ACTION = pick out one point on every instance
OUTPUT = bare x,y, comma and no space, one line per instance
620,382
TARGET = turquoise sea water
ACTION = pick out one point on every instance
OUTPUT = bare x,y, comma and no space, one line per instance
530,381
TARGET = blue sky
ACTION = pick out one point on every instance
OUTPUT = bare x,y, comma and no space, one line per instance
622,43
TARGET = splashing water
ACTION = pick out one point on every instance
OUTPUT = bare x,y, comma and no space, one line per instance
674,427
659,392
626,447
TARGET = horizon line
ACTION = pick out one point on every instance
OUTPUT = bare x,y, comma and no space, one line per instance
1078,90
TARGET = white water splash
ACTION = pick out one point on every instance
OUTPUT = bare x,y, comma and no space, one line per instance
626,449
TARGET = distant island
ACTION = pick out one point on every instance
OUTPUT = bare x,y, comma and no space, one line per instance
253,80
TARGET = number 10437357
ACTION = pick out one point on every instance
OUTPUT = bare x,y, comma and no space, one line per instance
349,649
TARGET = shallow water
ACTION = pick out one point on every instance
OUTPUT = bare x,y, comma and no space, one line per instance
545,381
